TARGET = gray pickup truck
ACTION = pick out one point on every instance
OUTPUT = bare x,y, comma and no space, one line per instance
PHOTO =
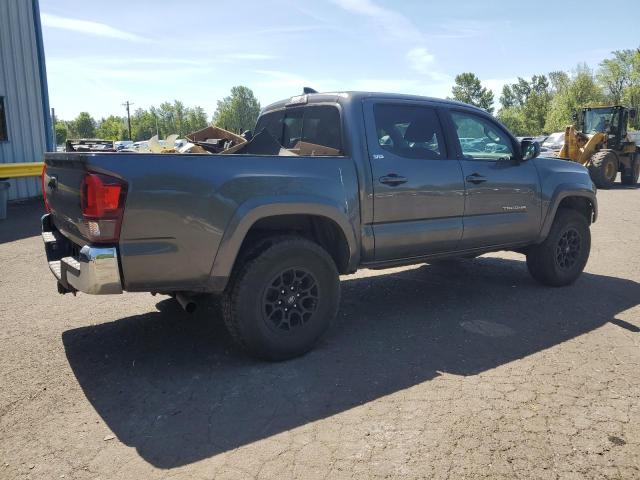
395,180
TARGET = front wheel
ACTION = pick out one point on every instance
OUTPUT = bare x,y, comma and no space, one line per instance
281,301
561,258
604,168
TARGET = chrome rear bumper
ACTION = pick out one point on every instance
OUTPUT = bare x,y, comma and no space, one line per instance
93,270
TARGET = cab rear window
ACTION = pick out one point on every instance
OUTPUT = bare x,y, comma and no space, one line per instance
311,130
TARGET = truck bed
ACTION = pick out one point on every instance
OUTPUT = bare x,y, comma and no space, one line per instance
181,208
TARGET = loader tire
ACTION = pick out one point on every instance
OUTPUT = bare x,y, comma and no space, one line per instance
604,168
280,302
631,174
561,258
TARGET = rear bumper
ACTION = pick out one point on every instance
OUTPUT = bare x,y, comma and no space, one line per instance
92,269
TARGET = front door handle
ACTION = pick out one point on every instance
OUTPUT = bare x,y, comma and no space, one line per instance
393,179
475,178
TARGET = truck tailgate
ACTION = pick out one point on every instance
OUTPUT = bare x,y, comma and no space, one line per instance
62,183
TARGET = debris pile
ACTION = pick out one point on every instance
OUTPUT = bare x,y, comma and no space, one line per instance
216,140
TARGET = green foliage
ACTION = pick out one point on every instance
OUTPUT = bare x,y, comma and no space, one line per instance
513,118
84,126
581,89
143,124
237,112
543,104
61,133
620,79
615,74
174,118
167,119
468,89
112,128
524,105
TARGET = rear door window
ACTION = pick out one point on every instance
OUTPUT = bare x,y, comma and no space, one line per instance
312,130
409,131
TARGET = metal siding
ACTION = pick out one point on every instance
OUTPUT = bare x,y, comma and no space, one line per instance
21,85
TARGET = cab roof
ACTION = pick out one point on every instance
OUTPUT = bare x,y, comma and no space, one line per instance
355,96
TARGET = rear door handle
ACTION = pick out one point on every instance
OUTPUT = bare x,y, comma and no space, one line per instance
393,179
475,178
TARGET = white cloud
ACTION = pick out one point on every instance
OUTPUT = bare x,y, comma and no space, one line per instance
420,60
392,22
399,27
88,27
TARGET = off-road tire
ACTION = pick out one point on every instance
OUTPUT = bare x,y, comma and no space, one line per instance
631,174
255,320
556,262
604,168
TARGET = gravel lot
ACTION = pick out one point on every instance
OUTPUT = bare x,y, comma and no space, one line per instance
470,371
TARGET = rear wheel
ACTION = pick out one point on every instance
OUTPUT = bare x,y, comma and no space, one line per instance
604,168
561,258
631,174
281,301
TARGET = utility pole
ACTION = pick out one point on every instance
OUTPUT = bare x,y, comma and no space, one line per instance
128,104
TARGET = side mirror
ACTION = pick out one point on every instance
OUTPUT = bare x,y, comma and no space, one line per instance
529,149
632,113
574,117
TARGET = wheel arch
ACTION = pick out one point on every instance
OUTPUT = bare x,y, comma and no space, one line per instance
316,219
576,197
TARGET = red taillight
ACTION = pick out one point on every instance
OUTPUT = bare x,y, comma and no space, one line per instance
102,199
100,195
44,190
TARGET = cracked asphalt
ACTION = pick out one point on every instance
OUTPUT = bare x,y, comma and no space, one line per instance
446,371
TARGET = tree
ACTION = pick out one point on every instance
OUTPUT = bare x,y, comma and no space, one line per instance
525,104
513,119
237,112
143,124
196,119
468,89
574,93
112,128
615,74
85,125
620,79
559,80
61,133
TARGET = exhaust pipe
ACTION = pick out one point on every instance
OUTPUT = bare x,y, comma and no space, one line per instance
187,303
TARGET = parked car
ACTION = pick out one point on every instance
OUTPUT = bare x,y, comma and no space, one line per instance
358,180
123,144
553,143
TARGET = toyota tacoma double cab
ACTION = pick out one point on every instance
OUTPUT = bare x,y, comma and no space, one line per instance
383,180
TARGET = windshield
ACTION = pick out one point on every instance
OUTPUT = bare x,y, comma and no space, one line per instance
598,120
554,138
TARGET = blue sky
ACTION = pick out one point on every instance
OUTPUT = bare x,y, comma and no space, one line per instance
100,54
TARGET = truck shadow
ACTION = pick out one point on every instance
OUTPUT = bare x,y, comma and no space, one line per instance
23,220
173,387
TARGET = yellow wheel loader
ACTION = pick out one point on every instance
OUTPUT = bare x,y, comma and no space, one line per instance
600,142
